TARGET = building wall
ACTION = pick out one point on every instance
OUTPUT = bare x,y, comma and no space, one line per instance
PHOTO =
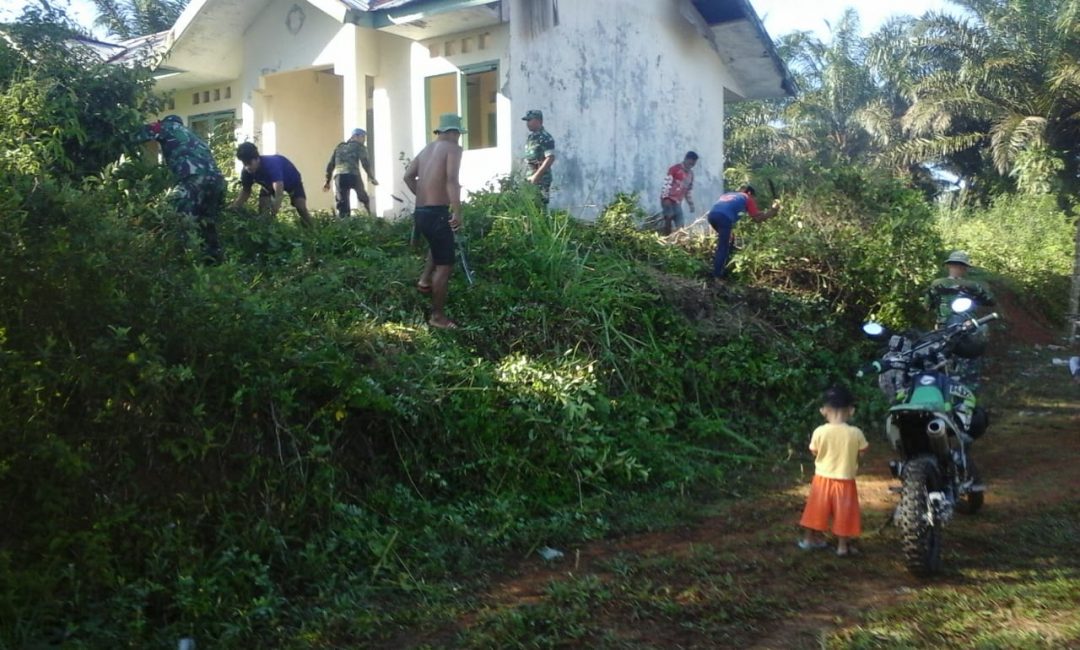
303,110
627,87
214,98
401,108
393,105
479,167
292,99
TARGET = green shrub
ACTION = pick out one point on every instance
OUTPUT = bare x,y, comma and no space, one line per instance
863,242
1025,238
256,452
277,452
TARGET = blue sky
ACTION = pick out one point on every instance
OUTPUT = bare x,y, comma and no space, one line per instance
783,16
779,16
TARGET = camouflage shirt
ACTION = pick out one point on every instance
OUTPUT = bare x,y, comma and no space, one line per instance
538,146
943,291
185,154
347,158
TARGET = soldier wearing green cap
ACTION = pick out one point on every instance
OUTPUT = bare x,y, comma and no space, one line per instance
539,153
943,291
200,187
344,168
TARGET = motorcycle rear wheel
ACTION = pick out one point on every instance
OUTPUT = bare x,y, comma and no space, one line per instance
920,541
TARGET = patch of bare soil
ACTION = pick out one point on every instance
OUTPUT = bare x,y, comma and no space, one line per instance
736,579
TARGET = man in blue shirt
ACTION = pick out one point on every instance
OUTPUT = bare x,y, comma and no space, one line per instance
723,216
277,176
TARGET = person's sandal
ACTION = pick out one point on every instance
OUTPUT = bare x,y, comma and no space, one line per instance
811,546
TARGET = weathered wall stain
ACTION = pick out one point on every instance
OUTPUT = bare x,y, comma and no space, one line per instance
627,87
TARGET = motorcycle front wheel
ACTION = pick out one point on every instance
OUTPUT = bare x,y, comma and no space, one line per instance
920,539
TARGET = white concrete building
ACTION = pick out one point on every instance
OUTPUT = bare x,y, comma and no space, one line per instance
626,86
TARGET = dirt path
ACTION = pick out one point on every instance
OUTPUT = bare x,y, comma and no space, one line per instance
736,580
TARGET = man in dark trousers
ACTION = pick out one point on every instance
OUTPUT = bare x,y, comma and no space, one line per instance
276,176
200,188
723,216
344,169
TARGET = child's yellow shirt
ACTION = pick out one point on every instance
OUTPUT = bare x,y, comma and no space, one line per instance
837,447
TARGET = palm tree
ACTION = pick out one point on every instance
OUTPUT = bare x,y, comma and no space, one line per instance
131,18
854,92
1005,100
1005,96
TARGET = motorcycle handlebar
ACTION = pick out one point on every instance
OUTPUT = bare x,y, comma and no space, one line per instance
872,367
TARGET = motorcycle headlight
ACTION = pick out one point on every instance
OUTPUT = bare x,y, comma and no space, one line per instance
962,304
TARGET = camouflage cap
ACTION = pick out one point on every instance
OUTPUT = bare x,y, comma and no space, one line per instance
958,257
534,115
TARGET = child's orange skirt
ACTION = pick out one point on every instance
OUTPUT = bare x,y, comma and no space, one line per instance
835,498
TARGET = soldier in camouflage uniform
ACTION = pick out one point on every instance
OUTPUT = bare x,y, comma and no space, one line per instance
200,187
344,168
943,291
539,153
940,296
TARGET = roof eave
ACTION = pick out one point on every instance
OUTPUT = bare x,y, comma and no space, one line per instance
418,10
746,12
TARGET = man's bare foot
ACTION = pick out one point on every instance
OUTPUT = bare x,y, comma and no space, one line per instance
423,288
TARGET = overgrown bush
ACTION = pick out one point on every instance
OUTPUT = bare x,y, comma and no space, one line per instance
257,453
1025,238
863,242
63,109
277,452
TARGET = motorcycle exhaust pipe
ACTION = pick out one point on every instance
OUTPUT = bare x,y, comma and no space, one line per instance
937,431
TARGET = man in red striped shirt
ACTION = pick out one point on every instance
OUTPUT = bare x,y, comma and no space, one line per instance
678,186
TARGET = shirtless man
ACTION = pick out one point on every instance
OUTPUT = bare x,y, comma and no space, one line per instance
433,178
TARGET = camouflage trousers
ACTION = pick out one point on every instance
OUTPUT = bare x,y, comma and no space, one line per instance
201,198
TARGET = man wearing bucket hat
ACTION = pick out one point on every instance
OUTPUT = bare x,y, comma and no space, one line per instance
433,177
539,153
344,169
200,187
943,291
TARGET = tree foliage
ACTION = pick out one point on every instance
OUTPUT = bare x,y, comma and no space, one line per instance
1005,95
133,18
62,109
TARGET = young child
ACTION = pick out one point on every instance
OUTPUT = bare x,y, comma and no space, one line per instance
836,446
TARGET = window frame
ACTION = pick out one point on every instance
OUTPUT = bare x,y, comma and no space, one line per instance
214,118
461,102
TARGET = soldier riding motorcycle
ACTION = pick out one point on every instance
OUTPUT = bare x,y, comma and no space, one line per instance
931,424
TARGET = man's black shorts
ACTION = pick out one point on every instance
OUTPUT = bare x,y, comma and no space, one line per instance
294,191
433,222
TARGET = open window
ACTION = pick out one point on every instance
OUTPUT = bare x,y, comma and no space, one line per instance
471,92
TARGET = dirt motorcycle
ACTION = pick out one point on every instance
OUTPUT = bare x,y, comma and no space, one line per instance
933,420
